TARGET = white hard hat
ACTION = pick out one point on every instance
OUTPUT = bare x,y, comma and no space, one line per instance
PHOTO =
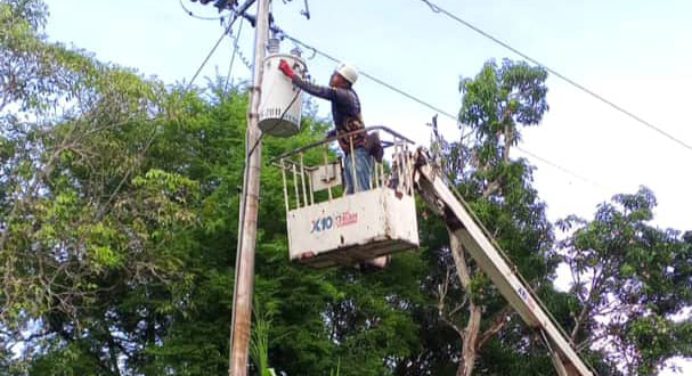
347,71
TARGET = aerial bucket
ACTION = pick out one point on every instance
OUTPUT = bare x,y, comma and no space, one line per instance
329,228
281,104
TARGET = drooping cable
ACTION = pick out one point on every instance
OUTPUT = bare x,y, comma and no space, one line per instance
235,39
203,18
437,9
211,52
433,107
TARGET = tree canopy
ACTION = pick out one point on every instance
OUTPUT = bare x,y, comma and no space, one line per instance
119,201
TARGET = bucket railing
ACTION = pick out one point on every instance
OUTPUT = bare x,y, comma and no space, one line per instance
305,185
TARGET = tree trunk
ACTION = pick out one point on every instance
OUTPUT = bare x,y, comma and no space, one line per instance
509,139
473,326
469,350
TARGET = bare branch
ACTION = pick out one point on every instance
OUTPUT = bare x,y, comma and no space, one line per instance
499,322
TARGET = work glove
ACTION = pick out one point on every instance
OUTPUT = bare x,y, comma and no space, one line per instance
286,69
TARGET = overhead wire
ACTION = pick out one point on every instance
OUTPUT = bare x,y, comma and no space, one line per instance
227,29
203,18
455,118
372,78
435,108
437,9
563,169
380,82
235,40
239,53
154,133
402,92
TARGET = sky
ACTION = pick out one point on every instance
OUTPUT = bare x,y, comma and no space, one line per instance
636,53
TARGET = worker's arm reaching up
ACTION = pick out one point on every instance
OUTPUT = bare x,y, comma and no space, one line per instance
337,95
345,104
341,97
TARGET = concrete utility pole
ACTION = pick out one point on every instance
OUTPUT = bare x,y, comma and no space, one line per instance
249,207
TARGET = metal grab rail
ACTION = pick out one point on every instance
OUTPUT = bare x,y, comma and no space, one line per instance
299,178
338,137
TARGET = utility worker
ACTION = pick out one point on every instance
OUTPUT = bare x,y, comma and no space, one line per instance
346,114
347,117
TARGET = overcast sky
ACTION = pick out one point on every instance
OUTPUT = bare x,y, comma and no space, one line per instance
634,52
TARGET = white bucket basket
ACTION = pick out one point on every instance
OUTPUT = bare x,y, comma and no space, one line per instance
353,228
282,102
327,229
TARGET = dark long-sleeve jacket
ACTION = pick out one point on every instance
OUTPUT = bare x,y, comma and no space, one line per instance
346,110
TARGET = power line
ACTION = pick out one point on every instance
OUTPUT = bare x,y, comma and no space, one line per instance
437,9
374,79
402,92
564,170
203,18
235,50
213,49
434,108
239,52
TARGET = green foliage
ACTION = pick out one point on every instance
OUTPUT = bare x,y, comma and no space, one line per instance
119,202
496,104
635,278
497,101
119,218
259,340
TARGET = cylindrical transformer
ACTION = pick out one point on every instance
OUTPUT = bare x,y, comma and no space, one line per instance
282,103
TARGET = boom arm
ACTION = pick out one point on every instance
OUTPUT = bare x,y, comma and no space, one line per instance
437,194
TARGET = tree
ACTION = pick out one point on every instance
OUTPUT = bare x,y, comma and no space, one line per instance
93,236
496,103
119,211
631,280
118,218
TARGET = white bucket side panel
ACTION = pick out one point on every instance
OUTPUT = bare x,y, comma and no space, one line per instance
401,217
278,92
342,222
353,220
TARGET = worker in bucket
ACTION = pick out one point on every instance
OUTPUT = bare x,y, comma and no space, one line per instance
346,113
347,117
